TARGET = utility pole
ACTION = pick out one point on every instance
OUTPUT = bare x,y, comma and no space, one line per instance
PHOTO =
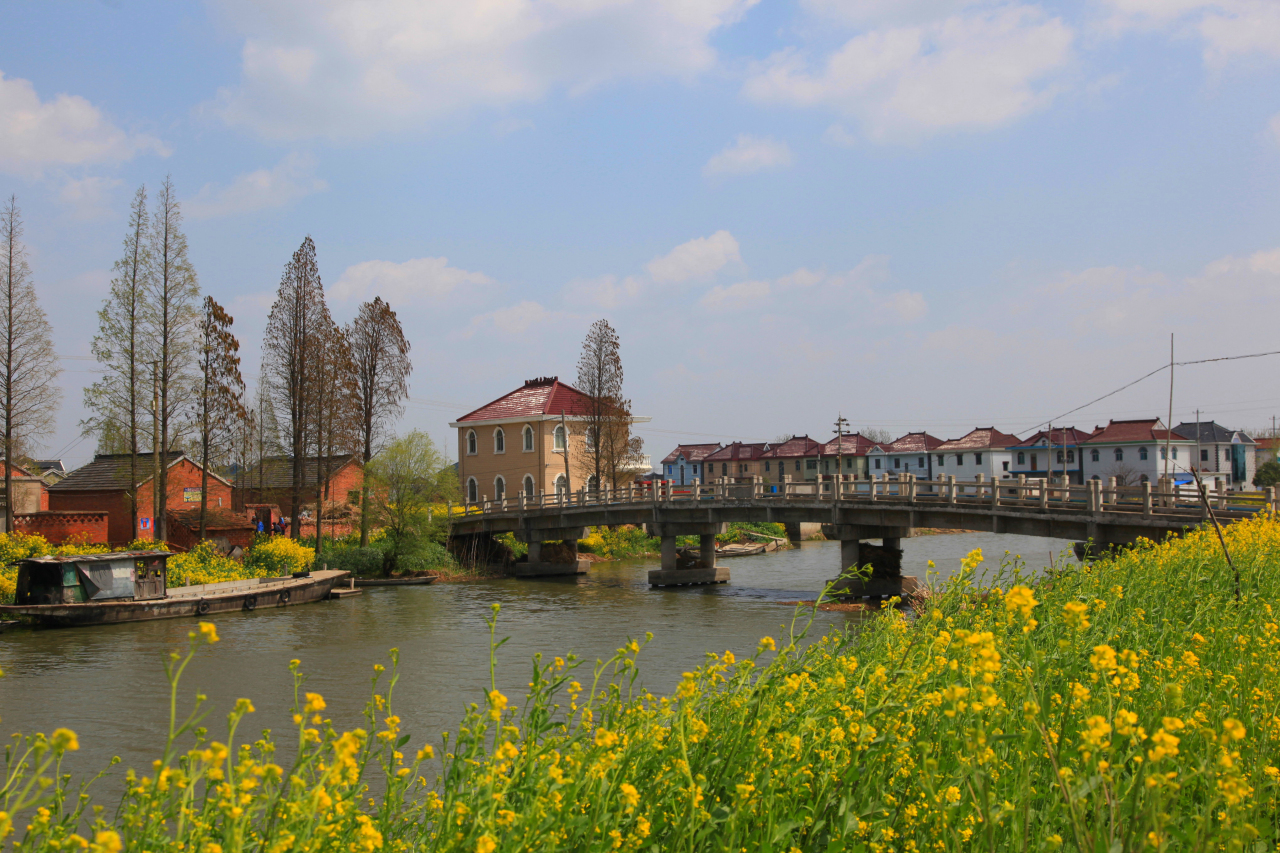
841,423
1215,449
1168,427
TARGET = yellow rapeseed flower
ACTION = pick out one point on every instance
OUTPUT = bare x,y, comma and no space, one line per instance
486,845
768,643
1233,728
1076,614
65,739
1021,600
209,631
106,841
315,703
630,796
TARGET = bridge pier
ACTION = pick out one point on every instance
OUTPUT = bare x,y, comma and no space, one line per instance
886,562
704,570
537,567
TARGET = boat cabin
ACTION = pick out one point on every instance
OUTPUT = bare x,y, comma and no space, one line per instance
77,578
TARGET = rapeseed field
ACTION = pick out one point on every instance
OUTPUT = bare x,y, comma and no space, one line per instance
1129,705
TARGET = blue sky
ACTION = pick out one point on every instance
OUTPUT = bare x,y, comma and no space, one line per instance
928,214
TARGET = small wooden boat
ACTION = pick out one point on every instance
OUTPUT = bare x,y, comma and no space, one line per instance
396,581
747,550
102,589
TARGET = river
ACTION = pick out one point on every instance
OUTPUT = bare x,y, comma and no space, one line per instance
108,685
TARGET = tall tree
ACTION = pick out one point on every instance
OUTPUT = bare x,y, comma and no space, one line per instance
336,426
172,316
218,395
123,393
289,350
28,377
606,424
380,353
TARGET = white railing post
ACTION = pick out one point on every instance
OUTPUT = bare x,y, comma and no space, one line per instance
1146,498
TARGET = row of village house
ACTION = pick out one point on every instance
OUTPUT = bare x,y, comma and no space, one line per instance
93,504
1132,451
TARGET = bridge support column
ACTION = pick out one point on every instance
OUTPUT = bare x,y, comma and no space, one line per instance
685,569
564,561
668,553
886,578
707,551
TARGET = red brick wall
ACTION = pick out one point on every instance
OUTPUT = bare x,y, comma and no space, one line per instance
186,538
58,527
112,503
348,478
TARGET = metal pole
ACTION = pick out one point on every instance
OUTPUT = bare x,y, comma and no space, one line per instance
1168,427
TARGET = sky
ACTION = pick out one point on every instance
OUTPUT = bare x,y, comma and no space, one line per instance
919,214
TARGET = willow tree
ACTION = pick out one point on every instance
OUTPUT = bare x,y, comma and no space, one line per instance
29,393
380,355
116,401
289,350
218,396
171,315
610,448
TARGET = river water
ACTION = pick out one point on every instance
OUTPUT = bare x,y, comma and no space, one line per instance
107,683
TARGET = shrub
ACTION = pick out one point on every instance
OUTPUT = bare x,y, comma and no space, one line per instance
204,564
278,556
426,557
359,561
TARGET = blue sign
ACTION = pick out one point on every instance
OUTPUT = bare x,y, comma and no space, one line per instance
144,524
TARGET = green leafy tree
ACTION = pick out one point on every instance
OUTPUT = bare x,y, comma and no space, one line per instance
1268,474
406,479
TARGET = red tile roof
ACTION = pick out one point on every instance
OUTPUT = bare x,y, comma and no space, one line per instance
850,445
544,396
1065,435
692,452
1147,429
739,451
912,442
982,438
799,446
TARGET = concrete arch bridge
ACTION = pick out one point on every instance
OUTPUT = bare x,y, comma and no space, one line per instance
852,511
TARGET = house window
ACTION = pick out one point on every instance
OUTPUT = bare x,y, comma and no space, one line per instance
1164,454
1175,453
848,462
1142,454
897,463
1006,465
472,444
797,464
499,441
877,464
1093,456
499,488
529,488
591,438
1035,461
942,460
766,465
977,459
1061,457
959,458
724,468
473,490
811,464
920,462
1204,456
742,469
1071,456
1119,454
1022,459
670,468
562,484
528,439
558,441
593,484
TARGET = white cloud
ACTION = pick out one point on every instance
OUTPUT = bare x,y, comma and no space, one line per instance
64,131
417,278
515,320
1229,29
748,154
606,291
700,258
88,197
974,70
264,189
744,294
338,69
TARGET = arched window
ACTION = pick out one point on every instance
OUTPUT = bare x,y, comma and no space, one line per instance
1142,454
1060,457
499,488
499,441
528,438
1094,457
1164,454
1022,458
593,485
559,438
1119,454
562,485
473,490
1175,453
472,444
529,487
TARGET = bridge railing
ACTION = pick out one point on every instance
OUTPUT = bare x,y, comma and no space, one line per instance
1147,499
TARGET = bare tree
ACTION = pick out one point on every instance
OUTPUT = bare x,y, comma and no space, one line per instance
876,435
606,424
117,399
171,317
336,428
219,395
380,353
28,376
289,350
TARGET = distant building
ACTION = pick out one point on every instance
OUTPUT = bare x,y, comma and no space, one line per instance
736,461
517,444
1222,450
51,470
1051,454
797,458
910,454
853,449
982,451
270,481
685,464
30,492
1133,451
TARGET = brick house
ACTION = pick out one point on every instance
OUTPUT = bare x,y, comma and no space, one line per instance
516,443
226,528
736,461
685,464
103,486
30,492
271,482
797,458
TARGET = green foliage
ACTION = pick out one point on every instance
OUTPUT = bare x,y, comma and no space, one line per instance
407,480
1268,474
737,531
425,557
204,564
362,562
278,556
517,548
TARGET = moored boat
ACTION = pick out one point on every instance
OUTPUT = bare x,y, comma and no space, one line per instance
426,579
130,586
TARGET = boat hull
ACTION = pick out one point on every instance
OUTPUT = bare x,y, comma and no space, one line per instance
192,601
